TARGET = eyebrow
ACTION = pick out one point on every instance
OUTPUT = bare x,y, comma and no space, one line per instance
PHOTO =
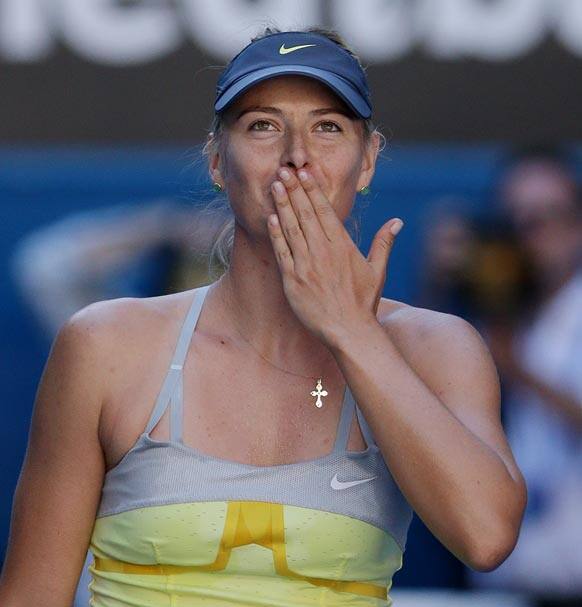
277,111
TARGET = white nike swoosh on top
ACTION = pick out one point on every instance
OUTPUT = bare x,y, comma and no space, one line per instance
284,51
336,484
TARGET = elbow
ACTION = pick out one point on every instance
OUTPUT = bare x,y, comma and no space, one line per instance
491,549
488,556
486,550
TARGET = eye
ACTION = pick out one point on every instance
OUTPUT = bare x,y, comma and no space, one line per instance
329,127
261,125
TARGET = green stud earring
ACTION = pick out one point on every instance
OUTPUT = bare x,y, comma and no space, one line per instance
365,190
216,187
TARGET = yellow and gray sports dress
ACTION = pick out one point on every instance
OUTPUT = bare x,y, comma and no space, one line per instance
177,528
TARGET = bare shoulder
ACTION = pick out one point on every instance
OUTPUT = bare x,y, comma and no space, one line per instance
110,322
136,338
117,326
446,351
415,328
115,337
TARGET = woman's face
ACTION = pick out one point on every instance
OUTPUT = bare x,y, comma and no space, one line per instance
296,122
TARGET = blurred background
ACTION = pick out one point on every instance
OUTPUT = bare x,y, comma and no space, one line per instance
104,105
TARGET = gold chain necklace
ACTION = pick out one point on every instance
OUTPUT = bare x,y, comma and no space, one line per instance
319,391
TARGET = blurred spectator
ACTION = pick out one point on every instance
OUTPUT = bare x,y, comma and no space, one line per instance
537,347
133,250
448,250
471,264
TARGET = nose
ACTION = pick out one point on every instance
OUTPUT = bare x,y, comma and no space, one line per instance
296,153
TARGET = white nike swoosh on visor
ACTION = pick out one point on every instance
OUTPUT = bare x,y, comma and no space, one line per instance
336,484
291,49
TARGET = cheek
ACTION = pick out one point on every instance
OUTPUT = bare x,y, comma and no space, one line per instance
246,170
340,173
249,173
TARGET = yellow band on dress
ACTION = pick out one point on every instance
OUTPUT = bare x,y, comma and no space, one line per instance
247,522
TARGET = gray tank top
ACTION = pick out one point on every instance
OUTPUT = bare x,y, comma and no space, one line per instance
154,472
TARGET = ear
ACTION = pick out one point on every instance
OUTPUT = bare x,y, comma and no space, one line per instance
369,160
214,160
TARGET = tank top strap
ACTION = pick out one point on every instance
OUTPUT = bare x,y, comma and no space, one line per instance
343,428
172,388
176,409
345,422
366,431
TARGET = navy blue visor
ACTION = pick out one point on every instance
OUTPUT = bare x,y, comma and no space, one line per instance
299,53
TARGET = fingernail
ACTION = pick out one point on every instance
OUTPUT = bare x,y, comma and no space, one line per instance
396,227
278,187
302,175
285,174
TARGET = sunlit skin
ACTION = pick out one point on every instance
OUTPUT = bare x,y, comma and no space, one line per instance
296,122
280,129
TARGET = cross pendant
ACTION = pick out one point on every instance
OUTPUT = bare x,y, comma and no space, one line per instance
319,393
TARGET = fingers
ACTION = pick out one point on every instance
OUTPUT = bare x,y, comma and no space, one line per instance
303,206
280,246
382,245
305,215
289,223
328,219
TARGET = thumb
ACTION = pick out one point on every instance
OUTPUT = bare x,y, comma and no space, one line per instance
382,244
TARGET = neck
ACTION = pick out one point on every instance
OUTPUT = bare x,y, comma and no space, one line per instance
254,300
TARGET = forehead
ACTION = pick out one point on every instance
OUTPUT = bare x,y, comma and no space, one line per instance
290,90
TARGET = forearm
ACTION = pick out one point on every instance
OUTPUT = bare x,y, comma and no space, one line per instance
456,483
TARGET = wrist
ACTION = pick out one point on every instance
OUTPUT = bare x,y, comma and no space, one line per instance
342,337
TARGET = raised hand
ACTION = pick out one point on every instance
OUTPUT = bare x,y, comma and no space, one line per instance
327,281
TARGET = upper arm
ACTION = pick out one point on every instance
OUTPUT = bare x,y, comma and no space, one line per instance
60,482
452,359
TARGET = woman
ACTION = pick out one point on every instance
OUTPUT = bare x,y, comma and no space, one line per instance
252,483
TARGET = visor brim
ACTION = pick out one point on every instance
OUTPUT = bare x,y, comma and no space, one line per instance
338,84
